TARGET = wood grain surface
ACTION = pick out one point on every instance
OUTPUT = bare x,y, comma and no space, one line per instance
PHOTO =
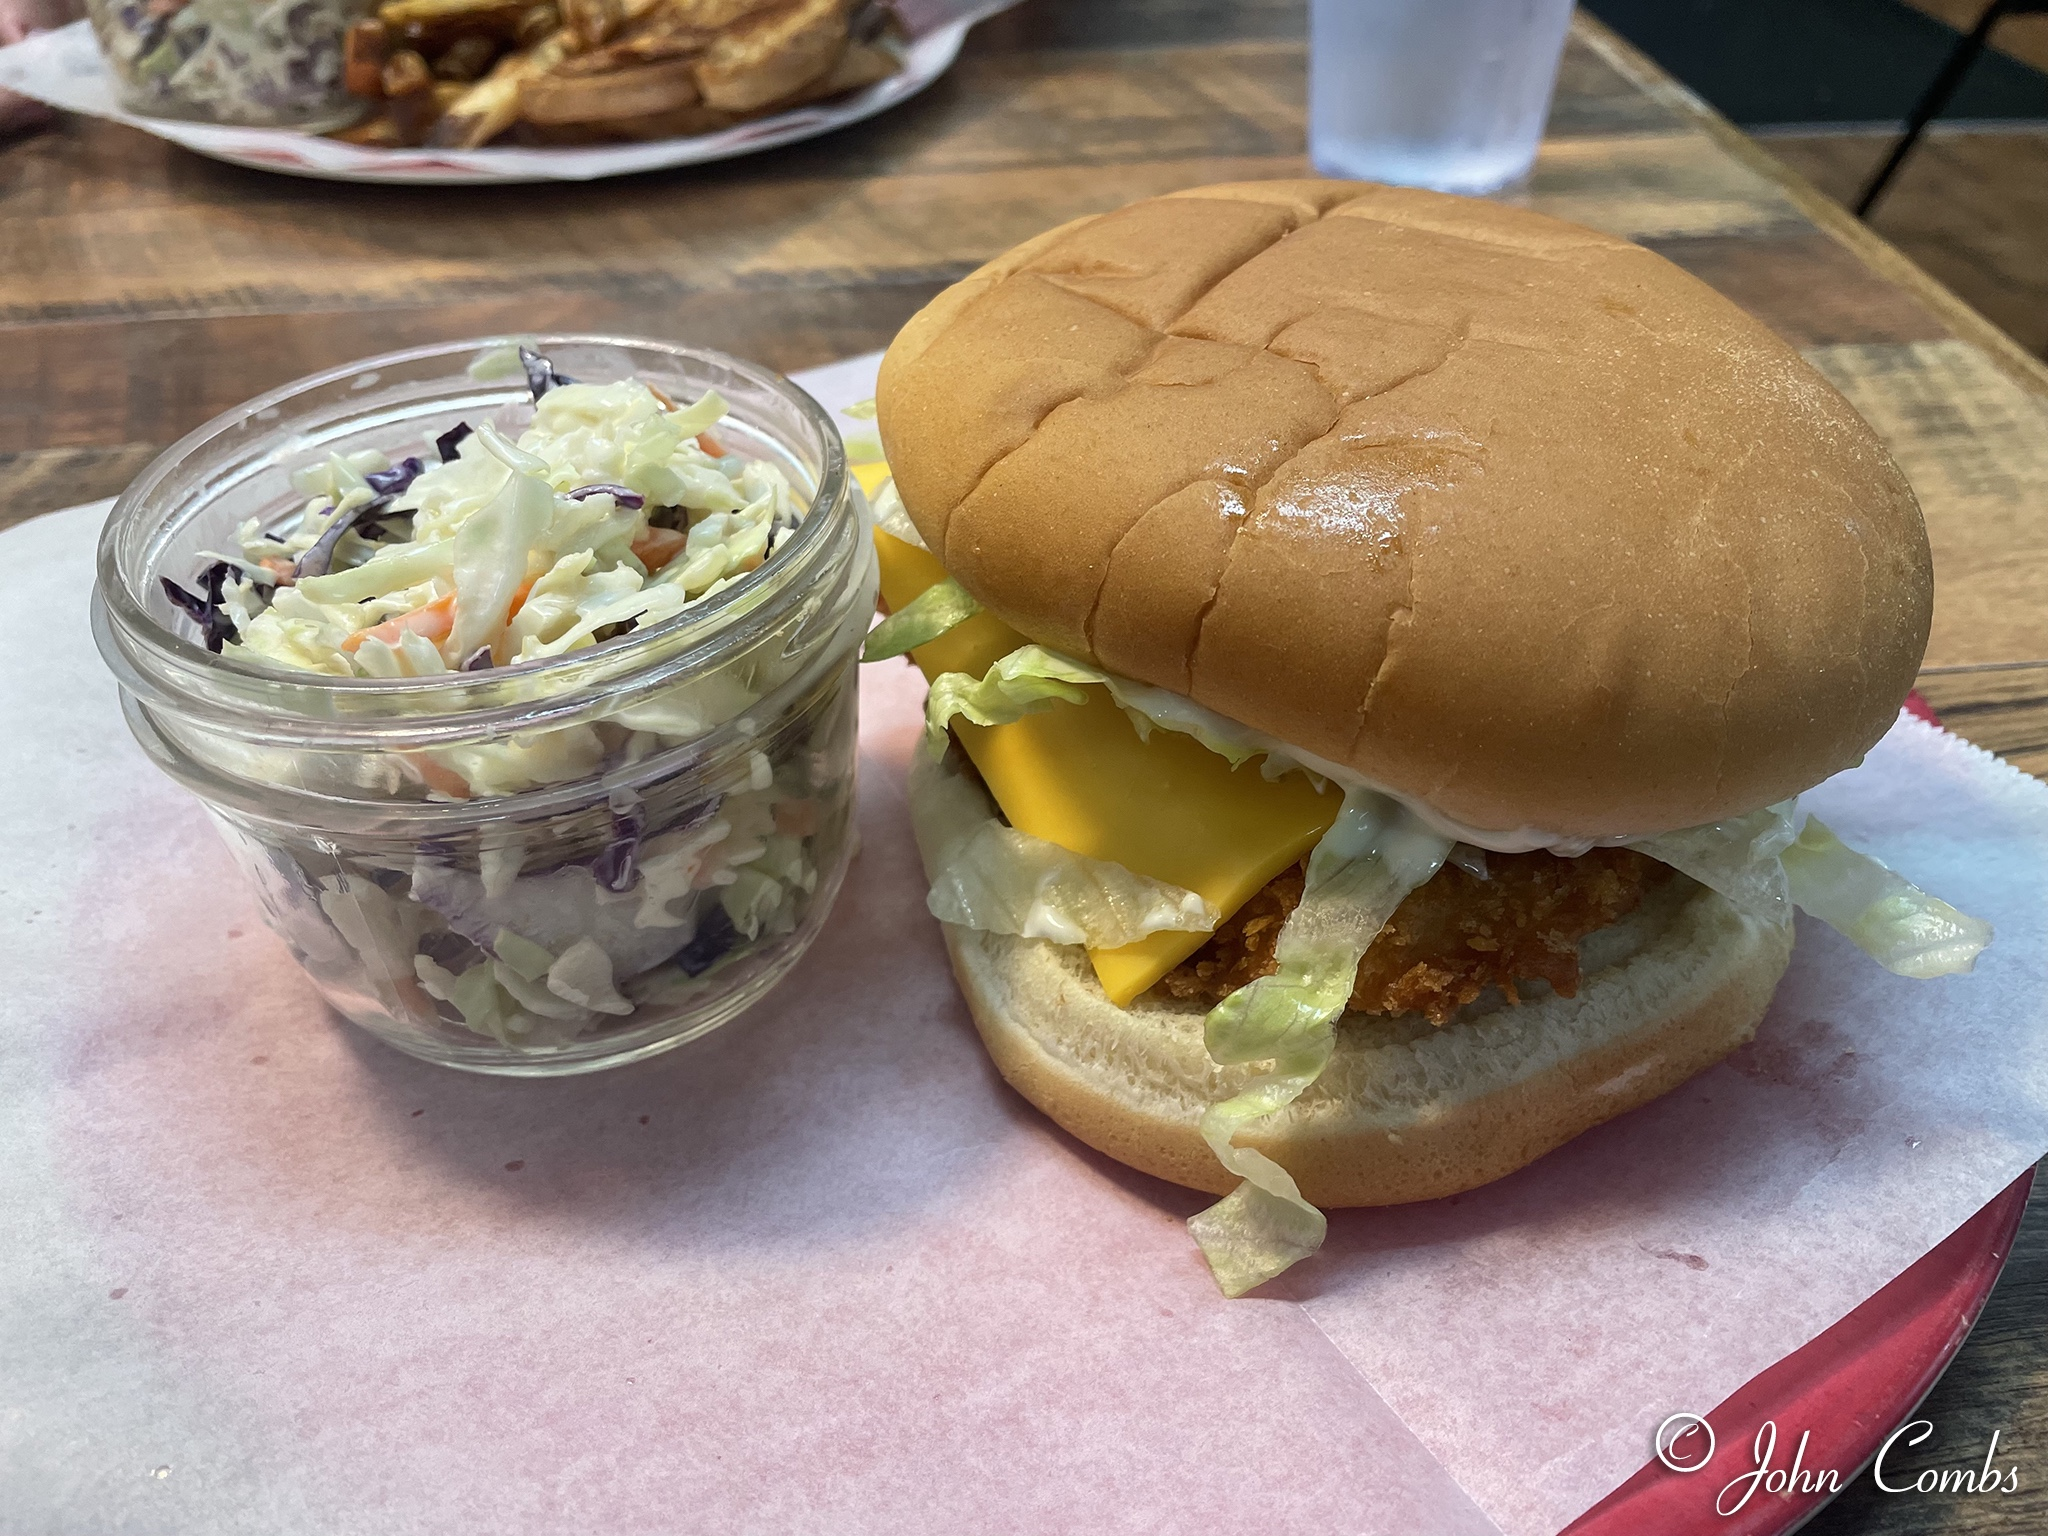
143,290
1971,207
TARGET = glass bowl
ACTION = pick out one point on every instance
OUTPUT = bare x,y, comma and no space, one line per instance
544,867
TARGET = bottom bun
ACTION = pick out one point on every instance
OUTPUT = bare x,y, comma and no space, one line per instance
1406,1110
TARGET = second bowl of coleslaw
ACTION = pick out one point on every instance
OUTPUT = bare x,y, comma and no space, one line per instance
519,679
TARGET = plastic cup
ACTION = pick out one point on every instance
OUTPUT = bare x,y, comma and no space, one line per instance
1449,94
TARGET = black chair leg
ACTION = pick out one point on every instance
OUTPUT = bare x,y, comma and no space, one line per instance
1933,102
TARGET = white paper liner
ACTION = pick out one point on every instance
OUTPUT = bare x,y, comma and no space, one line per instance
841,1280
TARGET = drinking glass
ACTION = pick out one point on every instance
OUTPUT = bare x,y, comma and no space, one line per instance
1449,94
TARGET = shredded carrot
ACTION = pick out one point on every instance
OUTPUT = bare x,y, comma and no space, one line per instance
711,445
281,569
660,394
438,775
519,597
657,546
434,621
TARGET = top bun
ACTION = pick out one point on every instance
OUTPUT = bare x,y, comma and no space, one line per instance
1512,517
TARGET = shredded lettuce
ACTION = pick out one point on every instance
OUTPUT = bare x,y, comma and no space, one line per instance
996,879
1900,926
1737,858
1005,881
1371,858
1753,860
1024,682
1031,678
920,621
892,518
1765,865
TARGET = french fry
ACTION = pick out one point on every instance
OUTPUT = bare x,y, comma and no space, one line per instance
376,131
538,23
591,23
400,14
589,71
772,55
406,74
467,58
491,106
364,49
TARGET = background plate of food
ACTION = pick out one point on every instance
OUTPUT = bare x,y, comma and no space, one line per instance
453,91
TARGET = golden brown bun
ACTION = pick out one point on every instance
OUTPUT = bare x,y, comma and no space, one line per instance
1511,516
1405,1111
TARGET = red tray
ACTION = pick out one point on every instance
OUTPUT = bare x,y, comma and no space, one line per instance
1850,1388
1847,1389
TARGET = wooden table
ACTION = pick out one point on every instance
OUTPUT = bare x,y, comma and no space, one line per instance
143,289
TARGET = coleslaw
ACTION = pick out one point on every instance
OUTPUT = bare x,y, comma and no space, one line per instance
254,63
644,857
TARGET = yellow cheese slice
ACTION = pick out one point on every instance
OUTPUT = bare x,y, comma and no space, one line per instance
872,474
1080,776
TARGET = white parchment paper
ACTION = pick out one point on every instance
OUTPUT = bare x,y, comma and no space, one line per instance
822,1271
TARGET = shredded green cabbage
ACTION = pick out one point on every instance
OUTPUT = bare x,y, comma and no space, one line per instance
991,877
1900,926
920,621
587,482
1371,858
606,513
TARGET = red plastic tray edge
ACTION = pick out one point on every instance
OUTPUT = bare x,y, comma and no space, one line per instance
1847,1388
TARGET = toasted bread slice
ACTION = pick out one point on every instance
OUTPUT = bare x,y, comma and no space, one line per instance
563,96
772,54
681,123
716,15
658,36
858,65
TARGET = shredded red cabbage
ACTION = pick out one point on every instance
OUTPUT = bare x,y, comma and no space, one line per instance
203,606
715,935
449,443
366,520
449,949
370,521
618,866
318,560
630,499
389,482
540,373
479,660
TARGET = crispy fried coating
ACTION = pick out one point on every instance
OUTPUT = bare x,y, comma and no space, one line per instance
1450,940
